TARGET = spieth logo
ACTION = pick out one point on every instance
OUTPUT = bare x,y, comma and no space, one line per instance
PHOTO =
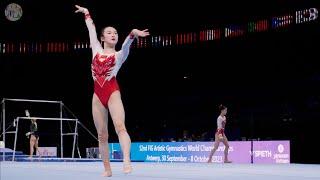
280,148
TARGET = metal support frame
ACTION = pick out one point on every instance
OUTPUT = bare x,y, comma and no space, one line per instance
61,119
52,119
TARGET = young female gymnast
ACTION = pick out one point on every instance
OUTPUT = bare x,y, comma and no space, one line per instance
106,62
220,136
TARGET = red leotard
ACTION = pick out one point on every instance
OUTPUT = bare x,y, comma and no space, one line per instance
105,68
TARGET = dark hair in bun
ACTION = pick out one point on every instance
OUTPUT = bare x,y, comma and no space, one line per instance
222,107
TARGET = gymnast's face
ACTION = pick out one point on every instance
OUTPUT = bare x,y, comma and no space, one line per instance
110,36
27,113
224,111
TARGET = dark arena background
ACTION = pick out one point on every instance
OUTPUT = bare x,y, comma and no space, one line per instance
260,59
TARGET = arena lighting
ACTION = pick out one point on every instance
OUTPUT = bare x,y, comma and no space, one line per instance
306,15
258,26
177,40
281,21
234,31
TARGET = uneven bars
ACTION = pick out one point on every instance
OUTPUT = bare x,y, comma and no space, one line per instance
30,100
52,119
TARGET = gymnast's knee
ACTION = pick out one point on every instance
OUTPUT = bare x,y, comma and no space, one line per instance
120,128
103,137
